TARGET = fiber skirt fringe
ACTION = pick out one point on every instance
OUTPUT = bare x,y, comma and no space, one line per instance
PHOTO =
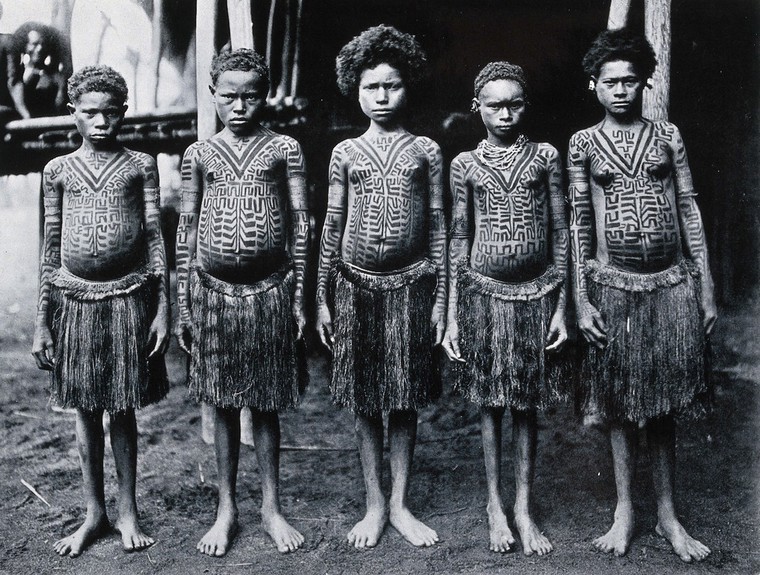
382,356
502,335
244,351
101,332
654,360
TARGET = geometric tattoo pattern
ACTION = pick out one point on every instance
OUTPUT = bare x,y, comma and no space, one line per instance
632,197
385,205
511,212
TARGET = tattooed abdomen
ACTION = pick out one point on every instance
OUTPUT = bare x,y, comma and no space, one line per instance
103,233
387,212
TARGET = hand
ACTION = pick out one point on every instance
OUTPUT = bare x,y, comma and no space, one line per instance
43,348
159,333
300,318
451,342
557,335
592,325
184,333
710,313
438,324
325,327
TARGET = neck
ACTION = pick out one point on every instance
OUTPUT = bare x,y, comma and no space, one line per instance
503,141
100,147
385,129
622,121
253,130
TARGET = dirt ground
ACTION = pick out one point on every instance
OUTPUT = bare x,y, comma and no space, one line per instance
321,485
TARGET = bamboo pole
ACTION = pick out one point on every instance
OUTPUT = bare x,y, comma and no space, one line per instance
618,17
241,24
657,30
205,46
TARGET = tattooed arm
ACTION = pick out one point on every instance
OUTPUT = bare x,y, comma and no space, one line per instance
590,321
187,239
460,245
43,347
437,231
159,329
560,247
299,217
332,232
692,230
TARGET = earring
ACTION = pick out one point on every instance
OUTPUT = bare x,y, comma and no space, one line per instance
649,83
591,85
475,106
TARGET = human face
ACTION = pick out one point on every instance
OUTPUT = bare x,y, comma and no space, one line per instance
239,97
382,94
619,88
502,107
98,117
35,47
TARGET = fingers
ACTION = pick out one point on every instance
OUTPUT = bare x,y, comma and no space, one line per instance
556,339
594,329
709,323
439,329
43,361
451,347
184,338
325,330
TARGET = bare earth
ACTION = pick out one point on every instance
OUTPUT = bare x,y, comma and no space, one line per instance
322,491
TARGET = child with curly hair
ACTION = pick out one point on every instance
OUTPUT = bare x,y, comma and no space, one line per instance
381,291
103,312
507,289
641,279
241,255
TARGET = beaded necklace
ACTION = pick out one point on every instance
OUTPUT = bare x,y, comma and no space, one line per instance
500,158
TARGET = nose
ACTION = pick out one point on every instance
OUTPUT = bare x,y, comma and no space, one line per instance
238,105
101,121
381,95
619,89
505,113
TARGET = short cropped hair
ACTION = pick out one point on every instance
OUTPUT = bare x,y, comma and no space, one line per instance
622,44
243,60
97,79
500,71
380,45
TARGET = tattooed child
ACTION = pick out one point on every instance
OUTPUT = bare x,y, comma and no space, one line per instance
507,288
241,255
382,276
641,278
103,314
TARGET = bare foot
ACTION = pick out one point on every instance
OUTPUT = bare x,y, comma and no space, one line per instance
92,529
284,535
412,529
499,532
685,546
367,532
618,538
132,536
217,540
533,541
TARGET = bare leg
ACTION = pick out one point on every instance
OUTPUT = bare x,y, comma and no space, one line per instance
90,441
500,535
623,438
661,437
369,435
402,434
124,445
266,438
524,436
217,540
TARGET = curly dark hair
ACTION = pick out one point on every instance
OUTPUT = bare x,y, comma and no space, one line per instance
243,60
380,45
622,44
500,70
97,79
50,38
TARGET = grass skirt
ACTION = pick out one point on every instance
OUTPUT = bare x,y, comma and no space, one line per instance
101,332
383,351
244,351
502,334
654,360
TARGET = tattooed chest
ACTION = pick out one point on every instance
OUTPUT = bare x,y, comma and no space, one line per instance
636,212
510,238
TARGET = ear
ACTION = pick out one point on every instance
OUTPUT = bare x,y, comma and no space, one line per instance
475,105
212,89
124,108
71,108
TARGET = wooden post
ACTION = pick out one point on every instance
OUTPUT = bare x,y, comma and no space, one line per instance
657,30
241,25
157,48
618,17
